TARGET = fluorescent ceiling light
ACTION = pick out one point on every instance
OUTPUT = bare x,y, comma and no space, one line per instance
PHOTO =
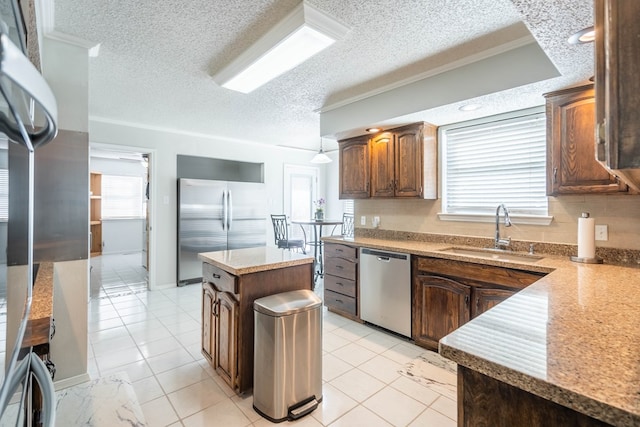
300,35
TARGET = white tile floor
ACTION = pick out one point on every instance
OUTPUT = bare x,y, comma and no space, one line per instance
155,338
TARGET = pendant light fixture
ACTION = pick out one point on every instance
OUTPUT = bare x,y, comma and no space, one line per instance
321,157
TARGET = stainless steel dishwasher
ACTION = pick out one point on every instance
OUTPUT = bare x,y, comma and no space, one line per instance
385,290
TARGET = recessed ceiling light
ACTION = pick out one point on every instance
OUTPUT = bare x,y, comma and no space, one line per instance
373,130
470,107
300,35
586,35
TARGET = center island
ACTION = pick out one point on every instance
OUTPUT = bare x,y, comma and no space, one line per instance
231,281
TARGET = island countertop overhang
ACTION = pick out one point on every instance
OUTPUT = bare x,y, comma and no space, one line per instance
253,260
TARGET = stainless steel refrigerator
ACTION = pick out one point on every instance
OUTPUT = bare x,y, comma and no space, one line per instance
214,216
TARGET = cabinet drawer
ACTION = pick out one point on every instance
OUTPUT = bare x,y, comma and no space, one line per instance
341,267
340,251
221,280
340,302
477,274
340,285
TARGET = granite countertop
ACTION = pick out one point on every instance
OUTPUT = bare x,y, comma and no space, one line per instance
253,260
38,326
572,337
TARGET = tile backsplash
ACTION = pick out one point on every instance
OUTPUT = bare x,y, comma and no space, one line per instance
621,213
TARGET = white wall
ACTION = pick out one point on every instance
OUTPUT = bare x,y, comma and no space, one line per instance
164,146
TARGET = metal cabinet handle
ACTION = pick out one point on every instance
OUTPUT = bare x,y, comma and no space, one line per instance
216,276
555,175
466,300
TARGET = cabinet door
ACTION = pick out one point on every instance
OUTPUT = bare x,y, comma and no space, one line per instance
618,87
382,165
226,362
440,306
208,323
572,166
354,168
486,298
408,162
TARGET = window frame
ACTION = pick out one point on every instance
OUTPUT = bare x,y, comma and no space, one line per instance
518,218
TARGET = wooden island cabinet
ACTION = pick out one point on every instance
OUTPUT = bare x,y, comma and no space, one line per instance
231,281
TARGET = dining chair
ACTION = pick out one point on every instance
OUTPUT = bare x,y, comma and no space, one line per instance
281,234
346,229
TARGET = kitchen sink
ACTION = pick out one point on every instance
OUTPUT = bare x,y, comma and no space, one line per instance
490,253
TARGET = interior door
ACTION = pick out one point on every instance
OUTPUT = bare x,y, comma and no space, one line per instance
300,190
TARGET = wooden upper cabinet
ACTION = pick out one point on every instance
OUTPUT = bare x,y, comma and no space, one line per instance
409,161
402,163
572,167
382,148
617,61
354,168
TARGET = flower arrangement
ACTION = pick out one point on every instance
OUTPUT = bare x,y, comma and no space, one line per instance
319,204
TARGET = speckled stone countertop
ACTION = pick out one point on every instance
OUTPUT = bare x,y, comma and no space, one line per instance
572,337
38,325
253,260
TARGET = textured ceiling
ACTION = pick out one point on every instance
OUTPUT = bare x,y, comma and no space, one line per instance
157,57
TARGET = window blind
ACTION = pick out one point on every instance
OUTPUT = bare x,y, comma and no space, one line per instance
122,197
347,206
498,161
4,194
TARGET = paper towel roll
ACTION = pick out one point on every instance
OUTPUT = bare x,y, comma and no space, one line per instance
586,237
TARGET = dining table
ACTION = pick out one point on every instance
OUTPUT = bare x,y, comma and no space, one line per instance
316,227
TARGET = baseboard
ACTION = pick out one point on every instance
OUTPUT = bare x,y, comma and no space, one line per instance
69,382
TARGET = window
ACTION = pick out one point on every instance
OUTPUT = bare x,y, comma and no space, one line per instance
122,197
500,159
348,206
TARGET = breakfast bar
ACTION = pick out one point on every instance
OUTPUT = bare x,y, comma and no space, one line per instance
232,281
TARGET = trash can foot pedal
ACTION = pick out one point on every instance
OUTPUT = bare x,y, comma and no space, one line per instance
303,408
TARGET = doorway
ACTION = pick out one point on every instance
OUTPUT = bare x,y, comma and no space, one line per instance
300,190
125,263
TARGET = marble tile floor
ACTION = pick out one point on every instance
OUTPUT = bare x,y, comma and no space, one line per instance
154,337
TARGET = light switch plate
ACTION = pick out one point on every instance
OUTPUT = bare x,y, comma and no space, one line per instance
376,221
602,232
363,220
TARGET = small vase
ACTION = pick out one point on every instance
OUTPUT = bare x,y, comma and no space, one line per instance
319,215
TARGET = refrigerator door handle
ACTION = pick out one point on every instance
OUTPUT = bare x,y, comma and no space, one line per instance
224,210
230,208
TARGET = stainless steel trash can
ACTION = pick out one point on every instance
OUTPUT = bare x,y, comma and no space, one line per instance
287,367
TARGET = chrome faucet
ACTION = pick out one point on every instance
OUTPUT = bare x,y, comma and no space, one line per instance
502,243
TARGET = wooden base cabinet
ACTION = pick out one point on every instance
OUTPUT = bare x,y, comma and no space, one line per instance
341,280
485,401
448,308
447,294
227,316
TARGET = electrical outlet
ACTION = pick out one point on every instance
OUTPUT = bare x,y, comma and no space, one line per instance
602,232
363,220
376,221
